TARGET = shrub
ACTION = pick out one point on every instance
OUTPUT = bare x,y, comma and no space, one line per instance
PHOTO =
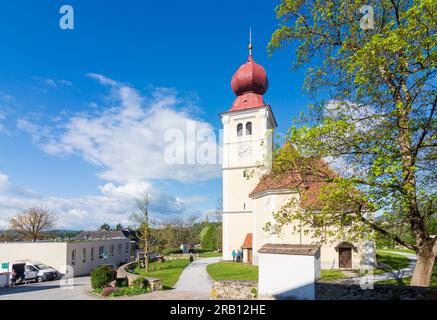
170,251
121,282
102,277
140,283
129,291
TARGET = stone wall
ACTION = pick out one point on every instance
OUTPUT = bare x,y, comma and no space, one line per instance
331,291
125,271
240,290
245,290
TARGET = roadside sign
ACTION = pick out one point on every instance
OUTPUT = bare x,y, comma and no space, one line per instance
5,265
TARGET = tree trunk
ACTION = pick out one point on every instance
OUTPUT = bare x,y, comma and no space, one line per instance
423,271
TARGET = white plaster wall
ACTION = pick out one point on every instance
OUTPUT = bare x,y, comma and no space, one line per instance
82,267
287,276
237,205
265,206
50,253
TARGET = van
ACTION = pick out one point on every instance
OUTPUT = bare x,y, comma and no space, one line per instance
23,271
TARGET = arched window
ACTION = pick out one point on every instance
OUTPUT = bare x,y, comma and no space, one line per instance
239,129
73,257
249,129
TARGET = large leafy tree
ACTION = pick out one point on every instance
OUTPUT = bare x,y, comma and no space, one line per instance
376,122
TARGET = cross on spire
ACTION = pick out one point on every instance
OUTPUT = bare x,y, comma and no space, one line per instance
250,41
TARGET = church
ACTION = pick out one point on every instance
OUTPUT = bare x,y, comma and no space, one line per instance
249,200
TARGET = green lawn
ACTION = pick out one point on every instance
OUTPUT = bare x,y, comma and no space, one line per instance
392,261
210,254
406,281
168,271
331,275
233,271
399,250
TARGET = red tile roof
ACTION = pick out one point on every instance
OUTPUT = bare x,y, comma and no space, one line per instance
309,182
247,244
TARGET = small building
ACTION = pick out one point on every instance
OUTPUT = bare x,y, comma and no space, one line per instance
76,257
288,271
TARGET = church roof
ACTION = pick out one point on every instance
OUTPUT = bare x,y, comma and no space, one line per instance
309,182
247,244
290,249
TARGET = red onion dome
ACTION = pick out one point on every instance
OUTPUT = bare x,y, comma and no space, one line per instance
249,84
250,77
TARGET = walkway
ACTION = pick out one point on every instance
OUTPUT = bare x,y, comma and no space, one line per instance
195,278
394,274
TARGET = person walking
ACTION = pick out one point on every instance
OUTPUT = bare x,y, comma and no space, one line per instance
238,256
242,255
234,254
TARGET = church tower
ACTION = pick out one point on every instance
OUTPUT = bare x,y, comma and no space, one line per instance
247,146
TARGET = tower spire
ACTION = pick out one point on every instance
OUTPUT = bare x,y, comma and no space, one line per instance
250,41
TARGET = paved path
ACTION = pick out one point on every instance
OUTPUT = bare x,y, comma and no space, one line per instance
50,290
194,284
394,274
195,278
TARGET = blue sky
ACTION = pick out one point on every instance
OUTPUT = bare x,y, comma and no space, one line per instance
82,111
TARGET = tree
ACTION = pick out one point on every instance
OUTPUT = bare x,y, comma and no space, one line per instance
376,124
118,227
208,237
33,222
142,217
105,227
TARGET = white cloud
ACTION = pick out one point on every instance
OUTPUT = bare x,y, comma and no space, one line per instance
128,140
52,83
114,205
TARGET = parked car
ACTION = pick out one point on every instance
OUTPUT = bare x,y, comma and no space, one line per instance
32,271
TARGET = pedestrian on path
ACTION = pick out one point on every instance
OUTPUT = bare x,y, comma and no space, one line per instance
238,255
234,254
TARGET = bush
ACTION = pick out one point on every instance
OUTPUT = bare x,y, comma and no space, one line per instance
121,282
102,277
140,283
129,291
167,252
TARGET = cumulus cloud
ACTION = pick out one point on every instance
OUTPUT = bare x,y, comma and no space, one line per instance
128,140
124,137
114,205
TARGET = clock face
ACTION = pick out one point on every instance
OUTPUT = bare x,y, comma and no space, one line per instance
244,150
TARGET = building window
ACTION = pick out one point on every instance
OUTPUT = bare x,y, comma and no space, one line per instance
92,254
83,255
127,248
240,130
101,252
249,129
73,257
111,249
119,248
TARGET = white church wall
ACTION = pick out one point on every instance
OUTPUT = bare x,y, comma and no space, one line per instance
287,276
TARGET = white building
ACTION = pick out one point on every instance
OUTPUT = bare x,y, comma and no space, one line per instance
249,200
82,256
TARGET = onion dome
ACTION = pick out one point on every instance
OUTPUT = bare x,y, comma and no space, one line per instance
249,84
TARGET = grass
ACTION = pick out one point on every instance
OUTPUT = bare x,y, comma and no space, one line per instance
168,271
406,281
233,271
392,262
398,250
210,254
331,275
